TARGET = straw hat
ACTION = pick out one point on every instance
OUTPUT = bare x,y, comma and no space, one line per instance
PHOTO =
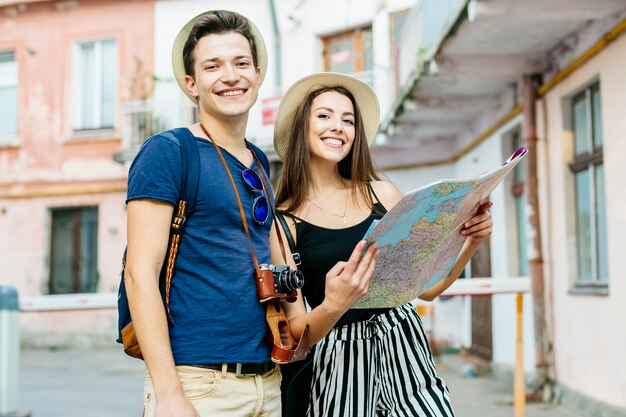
297,93
178,65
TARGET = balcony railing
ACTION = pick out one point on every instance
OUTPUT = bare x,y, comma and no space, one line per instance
139,122
425,29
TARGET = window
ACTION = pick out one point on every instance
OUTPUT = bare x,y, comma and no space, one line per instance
95,85
74,250
8,96
588,170
397,23
350,53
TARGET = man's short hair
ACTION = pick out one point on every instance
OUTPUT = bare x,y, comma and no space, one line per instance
216,22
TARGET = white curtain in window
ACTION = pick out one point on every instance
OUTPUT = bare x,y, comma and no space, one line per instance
109,83
88,85
8,95
95,84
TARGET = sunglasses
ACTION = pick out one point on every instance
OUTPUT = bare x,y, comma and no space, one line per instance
260,207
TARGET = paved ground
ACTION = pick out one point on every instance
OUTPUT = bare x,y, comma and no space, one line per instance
98,383
487,396
106,383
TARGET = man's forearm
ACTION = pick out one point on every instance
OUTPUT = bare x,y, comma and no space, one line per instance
150,324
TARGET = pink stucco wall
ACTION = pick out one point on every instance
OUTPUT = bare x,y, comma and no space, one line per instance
48,165
42,36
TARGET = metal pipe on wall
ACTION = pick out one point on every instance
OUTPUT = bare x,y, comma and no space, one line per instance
535,253
278,77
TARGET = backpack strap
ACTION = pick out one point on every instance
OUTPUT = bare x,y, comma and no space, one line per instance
190,167
190,177
292,246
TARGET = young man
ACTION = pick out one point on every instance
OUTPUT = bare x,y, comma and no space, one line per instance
214,360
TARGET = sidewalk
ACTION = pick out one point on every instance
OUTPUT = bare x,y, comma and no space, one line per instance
74,383
107,383
484,395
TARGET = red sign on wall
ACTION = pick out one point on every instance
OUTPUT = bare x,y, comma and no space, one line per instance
270,107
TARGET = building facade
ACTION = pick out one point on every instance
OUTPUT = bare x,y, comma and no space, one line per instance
65,70
582,129
516,74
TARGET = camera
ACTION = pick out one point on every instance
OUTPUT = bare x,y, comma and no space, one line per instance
278,281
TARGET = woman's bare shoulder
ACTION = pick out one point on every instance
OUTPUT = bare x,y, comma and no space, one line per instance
387,193
292,216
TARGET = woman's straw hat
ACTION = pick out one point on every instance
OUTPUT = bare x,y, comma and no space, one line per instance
178,65
298,92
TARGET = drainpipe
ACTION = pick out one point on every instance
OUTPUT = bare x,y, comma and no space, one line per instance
535,258
277,58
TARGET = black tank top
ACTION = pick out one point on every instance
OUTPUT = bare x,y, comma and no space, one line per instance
321,248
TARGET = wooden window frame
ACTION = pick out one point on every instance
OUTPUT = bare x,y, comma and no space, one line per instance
588,161
358,42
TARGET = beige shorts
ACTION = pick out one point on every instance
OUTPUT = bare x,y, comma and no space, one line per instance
221,393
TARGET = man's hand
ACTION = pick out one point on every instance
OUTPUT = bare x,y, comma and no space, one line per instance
347,282
175,406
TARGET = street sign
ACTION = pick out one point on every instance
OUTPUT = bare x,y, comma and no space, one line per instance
270,107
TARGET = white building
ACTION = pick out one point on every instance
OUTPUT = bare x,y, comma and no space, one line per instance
473,100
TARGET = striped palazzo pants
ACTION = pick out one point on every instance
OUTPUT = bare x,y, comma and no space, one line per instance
379,367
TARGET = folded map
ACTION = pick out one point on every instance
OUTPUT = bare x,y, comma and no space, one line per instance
419,239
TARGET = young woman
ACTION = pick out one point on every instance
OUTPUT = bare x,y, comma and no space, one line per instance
377,361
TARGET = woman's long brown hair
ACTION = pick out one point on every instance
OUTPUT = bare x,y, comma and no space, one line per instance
295,179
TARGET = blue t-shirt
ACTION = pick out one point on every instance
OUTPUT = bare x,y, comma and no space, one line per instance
213,300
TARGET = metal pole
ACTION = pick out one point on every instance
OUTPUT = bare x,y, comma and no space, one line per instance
519,383
9,352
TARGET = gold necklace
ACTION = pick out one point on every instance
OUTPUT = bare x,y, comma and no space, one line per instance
342,217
